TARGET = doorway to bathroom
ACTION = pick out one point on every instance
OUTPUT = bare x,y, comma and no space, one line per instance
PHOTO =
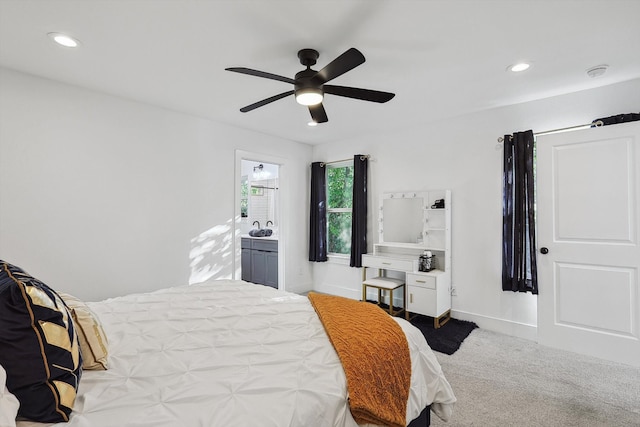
259,249
259,196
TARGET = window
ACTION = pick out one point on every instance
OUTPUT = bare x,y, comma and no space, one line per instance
339,204
244,197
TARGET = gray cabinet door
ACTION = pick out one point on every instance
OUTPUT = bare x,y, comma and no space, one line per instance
259,261
246,264
271,274
258,266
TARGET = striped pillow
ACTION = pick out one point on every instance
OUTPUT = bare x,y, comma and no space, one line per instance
40,350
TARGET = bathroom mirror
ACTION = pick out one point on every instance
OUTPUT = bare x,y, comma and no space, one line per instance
402,217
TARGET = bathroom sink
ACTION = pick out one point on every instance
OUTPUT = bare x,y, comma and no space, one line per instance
262,232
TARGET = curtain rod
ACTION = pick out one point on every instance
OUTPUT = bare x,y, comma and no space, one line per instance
364,156
597,124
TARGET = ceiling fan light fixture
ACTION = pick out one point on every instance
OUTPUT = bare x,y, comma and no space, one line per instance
309,86
309,96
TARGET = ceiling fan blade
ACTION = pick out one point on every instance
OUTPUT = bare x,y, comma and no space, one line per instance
357,93
343,63
258,73
318,114
265,101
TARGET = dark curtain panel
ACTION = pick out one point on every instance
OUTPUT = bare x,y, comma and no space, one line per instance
318,216
359,210
518,233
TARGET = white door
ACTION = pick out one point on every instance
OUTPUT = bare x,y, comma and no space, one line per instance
588,211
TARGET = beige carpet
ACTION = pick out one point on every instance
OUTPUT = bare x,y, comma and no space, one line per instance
506,381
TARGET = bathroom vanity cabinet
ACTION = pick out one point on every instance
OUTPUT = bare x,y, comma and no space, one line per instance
259,261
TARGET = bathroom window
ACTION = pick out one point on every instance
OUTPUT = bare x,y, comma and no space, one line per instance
244,197
339,204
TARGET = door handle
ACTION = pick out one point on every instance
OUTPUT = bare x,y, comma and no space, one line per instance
544,251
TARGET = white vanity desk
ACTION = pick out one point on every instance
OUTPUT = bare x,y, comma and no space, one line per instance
408,225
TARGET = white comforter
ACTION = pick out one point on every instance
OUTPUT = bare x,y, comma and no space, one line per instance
229,353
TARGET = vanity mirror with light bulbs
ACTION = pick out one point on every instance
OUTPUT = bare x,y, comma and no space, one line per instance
410,223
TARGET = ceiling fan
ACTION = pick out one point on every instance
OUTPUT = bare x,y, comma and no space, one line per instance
309,86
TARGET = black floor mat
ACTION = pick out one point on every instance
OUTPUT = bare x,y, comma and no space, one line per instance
446,339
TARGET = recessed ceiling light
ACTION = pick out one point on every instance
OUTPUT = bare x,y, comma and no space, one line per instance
312,123
520,66
64,40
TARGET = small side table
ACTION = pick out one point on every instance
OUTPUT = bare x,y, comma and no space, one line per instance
382,283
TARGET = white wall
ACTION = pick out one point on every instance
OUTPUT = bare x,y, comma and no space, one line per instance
101,196
460,154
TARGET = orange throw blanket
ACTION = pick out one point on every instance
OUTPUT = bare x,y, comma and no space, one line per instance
375,357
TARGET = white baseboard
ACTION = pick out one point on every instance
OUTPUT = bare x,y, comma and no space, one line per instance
507,327
330,289
298,288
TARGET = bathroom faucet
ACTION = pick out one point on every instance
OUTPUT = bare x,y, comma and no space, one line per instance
257,222
269,222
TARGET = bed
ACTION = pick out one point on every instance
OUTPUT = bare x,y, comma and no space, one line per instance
229,353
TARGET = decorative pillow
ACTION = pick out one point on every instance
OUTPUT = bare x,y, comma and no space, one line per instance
8,403
40,350
93,341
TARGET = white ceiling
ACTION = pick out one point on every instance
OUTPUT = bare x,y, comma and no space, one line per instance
440,58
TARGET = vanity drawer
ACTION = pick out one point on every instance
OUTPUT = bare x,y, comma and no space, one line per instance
265,245
376,261
421,281
245,243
